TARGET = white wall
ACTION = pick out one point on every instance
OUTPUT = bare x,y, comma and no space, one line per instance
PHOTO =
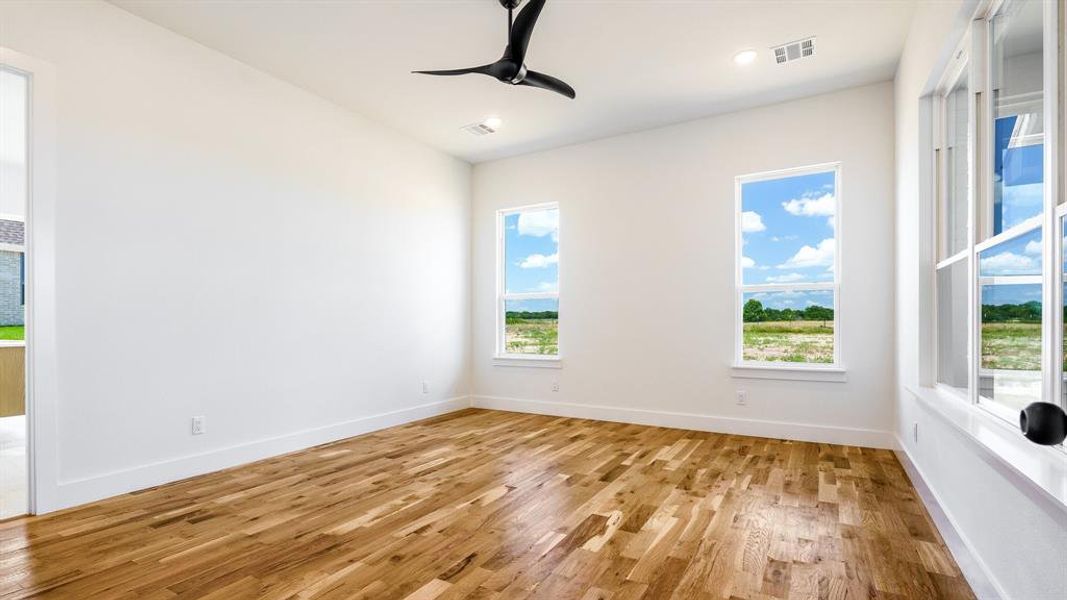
12,145
231,246
647,271
1018,535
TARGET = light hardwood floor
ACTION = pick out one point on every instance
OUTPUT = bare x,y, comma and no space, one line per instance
484,504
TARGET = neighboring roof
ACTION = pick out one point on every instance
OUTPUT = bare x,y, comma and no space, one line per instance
12,232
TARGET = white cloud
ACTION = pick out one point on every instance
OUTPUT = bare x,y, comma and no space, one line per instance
1007,263
781,294
547,286
787,278
751,222
747,263
539,223
1033,248
539,261
820,256
823,206
832,223
783,238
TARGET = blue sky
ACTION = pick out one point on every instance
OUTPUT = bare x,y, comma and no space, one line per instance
787,233
1018,173
994,295
795,299
1017,256
1019,187
531,252
534,305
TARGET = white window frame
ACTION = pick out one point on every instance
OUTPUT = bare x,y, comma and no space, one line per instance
833,371
959,66
975,51
501,356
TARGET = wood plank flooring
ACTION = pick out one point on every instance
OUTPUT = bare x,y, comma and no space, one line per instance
484,504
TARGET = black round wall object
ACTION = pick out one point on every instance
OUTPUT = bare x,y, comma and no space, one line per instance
1043,423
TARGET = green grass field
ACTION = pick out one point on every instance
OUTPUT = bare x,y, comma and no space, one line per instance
531,336
790,341
12,333
1013,346
1010,346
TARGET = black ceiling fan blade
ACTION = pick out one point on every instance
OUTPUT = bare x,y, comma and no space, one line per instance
523,28
547,82
484,70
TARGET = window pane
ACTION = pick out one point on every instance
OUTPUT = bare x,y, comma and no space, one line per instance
957,180
531,251
952,325
1009,373
14,97
531,326
1018,127
793,326
787,229
1021,255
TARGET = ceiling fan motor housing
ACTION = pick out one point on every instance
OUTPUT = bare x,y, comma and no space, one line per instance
510,4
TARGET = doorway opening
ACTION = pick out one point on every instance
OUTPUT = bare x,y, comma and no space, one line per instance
14,196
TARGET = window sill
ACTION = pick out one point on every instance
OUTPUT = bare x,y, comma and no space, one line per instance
12,343
1039,467
787,373
536,362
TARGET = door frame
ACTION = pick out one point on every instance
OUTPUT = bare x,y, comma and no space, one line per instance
42,390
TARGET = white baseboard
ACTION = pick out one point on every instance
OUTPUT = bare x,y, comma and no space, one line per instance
80,491
804,432
974,569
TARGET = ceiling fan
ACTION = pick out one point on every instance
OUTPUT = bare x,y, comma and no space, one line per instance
511,67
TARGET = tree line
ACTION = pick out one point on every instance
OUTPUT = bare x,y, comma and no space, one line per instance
1028,312
514,316
754,312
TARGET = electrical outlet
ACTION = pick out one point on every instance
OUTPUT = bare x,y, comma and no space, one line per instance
425,387
742,397
198,426
555,386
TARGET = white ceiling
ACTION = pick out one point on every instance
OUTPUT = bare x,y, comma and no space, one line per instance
635,64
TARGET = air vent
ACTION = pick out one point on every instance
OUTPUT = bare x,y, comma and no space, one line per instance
478,129
794,51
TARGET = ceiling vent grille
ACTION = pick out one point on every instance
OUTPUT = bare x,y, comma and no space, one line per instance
478,129
794,50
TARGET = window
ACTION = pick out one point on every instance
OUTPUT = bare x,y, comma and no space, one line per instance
997,279
787,265
528,282
954,211
14,173
1017,178
954,175
1009,292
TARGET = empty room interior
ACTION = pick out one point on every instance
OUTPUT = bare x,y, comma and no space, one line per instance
517,299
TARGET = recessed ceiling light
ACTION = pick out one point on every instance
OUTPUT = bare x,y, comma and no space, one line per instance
493,122
745,57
